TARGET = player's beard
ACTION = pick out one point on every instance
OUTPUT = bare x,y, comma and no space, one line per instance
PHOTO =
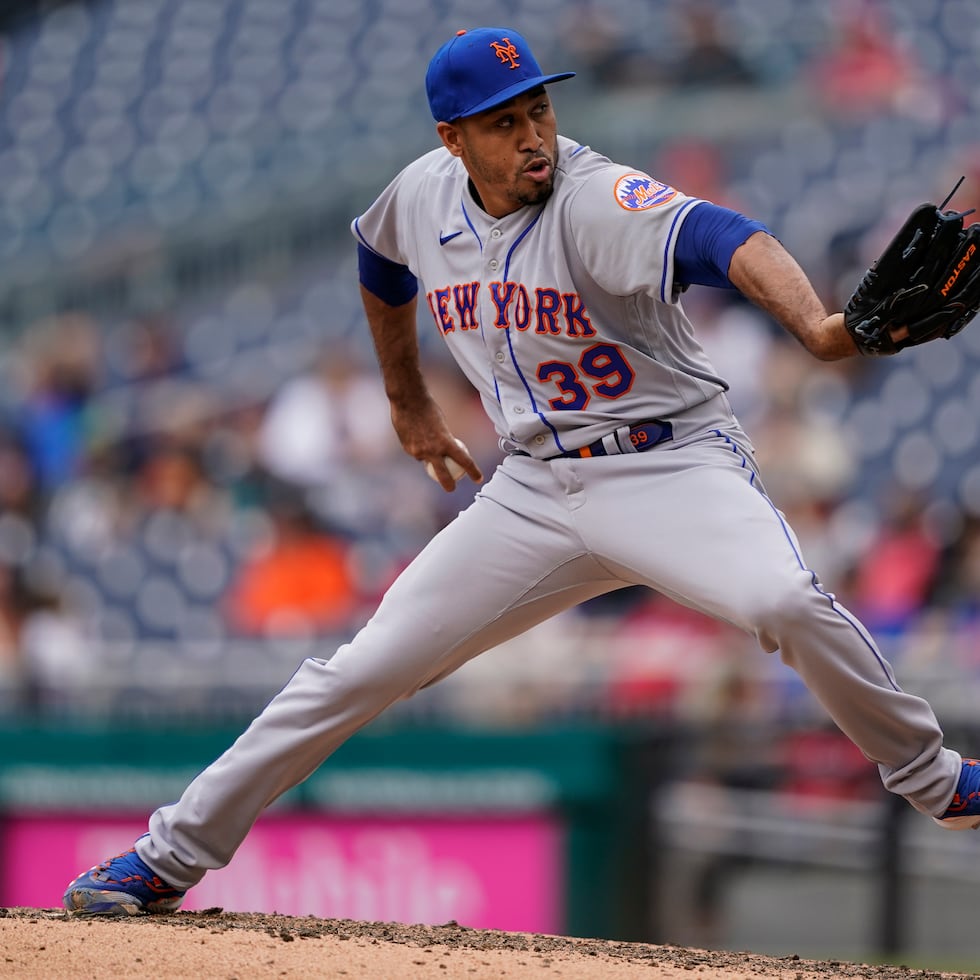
536,193
516,186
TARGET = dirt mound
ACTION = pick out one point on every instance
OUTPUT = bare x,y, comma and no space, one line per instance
47,943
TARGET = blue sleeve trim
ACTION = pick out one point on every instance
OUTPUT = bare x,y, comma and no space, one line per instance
667,289
392,283
706,243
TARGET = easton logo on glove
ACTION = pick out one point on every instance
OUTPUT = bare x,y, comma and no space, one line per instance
951,282
924,285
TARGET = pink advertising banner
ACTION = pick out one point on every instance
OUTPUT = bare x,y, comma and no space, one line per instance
505,873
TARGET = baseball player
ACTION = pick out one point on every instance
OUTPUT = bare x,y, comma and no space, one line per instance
555,278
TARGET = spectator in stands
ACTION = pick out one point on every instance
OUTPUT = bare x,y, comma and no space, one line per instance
611,52
42,657
821,767
177,525
700,164
171,479
866,69
143,349
299,581
957,587
20,501
325,419
709,55
63,359
12,613
893,581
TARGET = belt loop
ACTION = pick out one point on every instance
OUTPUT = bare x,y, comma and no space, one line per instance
611,442
622,437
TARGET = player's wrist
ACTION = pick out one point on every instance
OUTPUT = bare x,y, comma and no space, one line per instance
414,400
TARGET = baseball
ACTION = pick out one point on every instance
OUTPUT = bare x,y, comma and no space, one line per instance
455,470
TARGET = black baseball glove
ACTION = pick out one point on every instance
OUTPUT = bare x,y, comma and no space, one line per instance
925,285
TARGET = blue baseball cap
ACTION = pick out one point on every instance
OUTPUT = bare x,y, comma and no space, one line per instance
479,69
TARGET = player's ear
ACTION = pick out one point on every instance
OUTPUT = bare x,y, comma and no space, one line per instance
450,136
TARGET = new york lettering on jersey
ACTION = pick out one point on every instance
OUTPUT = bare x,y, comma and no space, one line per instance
548,311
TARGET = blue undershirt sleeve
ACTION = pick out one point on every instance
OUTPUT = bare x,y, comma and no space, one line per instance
392,283
706,242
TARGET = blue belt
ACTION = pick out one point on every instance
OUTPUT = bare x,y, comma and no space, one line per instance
642,436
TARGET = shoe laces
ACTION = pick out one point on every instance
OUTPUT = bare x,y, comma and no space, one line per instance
109,868
127,866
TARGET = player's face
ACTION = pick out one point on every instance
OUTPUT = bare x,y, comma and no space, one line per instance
510,152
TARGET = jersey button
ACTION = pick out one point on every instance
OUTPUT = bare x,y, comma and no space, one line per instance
493,263
539,440
519,409
496,233
499,355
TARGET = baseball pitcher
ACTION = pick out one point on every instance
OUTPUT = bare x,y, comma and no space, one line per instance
555,278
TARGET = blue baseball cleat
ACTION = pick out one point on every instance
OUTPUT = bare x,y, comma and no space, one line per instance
964,812
122,885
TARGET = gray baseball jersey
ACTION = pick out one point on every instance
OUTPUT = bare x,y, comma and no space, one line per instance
564,316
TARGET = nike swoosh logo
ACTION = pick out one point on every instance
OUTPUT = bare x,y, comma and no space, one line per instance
448,238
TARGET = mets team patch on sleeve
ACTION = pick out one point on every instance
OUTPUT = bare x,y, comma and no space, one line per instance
638,192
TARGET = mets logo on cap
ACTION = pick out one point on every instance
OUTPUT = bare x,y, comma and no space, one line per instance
638,192
507,52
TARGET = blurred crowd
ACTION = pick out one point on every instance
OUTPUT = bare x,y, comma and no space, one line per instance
161,508
189,520
192,524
